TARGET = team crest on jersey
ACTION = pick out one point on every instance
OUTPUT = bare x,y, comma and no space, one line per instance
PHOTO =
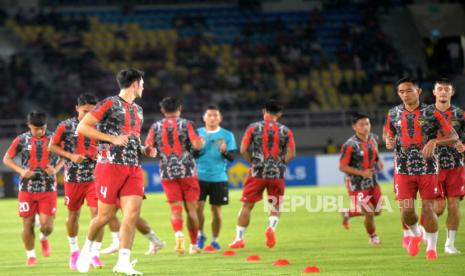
421,121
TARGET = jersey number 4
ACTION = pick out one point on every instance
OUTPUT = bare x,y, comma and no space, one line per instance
103,191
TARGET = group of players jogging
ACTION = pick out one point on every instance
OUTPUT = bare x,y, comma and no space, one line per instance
428,159
101,152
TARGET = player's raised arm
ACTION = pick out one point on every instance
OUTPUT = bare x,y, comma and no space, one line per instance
229,148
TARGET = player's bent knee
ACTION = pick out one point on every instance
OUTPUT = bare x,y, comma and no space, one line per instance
47,229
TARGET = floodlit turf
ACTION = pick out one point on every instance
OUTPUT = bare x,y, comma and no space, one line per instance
303,238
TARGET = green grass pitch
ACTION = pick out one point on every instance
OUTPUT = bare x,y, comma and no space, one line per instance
303,238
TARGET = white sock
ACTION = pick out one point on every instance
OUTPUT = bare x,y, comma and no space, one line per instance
178,233
200,233
124,256
414,229
273,222
214,239
115,237
73,244
151,236
42,237
31,253
432,239
87,248
240,232
96,246
406,233
450,237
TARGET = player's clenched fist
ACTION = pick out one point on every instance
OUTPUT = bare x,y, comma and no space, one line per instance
120,140
150,151
428,149
77,158
367,173
27,174
390,142
223,147
50,170
460,147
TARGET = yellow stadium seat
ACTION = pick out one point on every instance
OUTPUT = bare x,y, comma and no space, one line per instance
360,74
349,75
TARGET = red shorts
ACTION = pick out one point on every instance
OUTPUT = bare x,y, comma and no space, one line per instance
254,187
453,182
407,186
114,181
30,204
181,189
75,193
366,196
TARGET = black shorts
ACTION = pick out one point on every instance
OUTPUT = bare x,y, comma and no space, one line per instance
218,192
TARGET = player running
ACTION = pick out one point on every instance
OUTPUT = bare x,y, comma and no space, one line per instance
219,148
360,161
268,146
116,123
155,243
451,163
37,183
412,130
175,138
80,154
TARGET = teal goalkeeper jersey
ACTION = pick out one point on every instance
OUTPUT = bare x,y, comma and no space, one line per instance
211,164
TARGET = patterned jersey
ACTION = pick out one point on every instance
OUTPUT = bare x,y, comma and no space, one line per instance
268,143
35,156
67,137
173,137
117,117
412,130
361,155
449,157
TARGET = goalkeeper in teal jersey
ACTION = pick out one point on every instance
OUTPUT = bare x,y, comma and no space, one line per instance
220,147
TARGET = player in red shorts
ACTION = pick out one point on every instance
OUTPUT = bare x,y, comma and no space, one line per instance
360,161
268,146
37,182
451,163
412,130
80,154
116,123
175,138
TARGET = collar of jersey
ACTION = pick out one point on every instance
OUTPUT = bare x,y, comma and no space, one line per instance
213,131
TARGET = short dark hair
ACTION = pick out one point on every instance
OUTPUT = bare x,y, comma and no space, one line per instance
126,77
87,98
445,81
170,104
212,107
406,79
37,118
273,106
358,116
